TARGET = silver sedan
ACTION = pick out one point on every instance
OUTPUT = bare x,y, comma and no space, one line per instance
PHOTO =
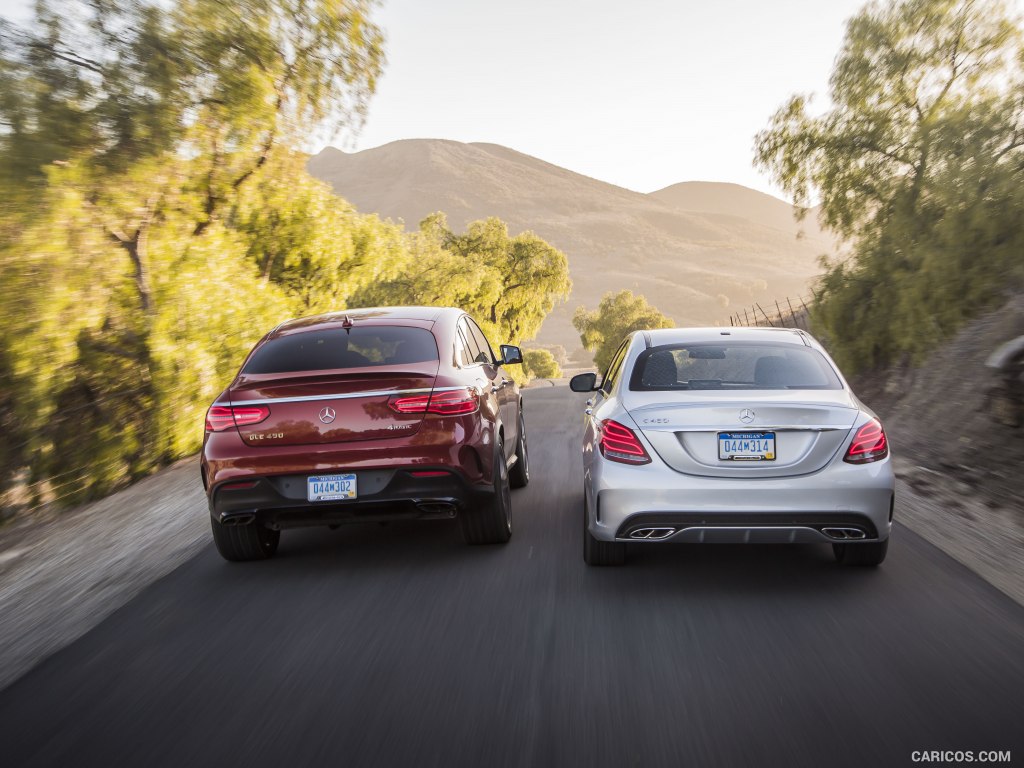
731,435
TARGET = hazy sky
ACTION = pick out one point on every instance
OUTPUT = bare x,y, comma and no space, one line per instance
642,94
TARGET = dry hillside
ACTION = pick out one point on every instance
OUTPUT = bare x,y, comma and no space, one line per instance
694,256
721,197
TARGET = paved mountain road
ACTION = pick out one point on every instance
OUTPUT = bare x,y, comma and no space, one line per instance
399,645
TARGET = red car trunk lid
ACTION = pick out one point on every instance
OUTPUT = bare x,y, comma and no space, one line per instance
332,407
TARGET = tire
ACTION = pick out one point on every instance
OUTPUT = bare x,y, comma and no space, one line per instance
239,543
519,476
597,552
491,523
869,554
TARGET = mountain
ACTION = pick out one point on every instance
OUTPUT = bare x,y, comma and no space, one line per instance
720,197
697,251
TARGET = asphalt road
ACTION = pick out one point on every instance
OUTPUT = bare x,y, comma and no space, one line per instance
399,645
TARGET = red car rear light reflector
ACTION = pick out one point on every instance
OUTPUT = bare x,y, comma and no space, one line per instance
451,403
221,417
241,486
869,444
619,443
430,473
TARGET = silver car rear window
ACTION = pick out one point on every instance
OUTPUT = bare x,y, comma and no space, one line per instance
339,348
734,365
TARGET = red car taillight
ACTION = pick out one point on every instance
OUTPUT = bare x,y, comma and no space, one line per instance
619,443
221,417
409,403
869,444
453,403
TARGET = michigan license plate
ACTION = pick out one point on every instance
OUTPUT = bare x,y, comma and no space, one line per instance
331,487
746,446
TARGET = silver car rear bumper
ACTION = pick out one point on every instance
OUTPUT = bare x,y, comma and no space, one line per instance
841,502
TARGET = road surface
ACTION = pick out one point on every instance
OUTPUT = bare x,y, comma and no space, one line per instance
400,646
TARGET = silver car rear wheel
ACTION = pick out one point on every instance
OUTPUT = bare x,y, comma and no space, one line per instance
597,552
869,554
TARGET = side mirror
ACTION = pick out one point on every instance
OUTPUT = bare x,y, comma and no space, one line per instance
583,382
510,355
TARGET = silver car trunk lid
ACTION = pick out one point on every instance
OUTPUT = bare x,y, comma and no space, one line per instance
809,427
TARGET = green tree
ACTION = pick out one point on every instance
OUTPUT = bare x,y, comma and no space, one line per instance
426,274
508,284
532,276
918,163
94,416
308,241
541,364
130,132
619,314
175,108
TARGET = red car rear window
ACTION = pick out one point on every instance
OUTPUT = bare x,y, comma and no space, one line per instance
335,348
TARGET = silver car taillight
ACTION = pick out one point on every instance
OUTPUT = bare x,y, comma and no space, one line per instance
869,444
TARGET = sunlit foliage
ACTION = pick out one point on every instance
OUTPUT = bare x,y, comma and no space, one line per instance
541,364
618,315
509,284
309,242
919,163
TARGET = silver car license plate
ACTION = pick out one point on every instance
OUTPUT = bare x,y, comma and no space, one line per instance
746,446
331,487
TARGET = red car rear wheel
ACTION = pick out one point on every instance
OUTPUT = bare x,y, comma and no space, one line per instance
491,523
251,541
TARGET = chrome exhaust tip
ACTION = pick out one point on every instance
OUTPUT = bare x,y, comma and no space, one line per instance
652,533
242,519
437,509
844,534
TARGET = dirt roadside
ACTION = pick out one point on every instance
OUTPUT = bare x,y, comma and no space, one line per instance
988,539
961,471
62,574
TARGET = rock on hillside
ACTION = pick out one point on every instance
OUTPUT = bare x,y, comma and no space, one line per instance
694,265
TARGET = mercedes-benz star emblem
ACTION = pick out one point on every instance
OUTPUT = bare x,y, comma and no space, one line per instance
327,415
746,415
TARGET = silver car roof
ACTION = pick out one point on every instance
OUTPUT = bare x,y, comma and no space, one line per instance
694,335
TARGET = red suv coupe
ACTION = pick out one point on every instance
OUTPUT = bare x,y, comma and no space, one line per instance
367,415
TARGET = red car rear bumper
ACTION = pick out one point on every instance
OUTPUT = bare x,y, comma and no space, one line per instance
460,446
